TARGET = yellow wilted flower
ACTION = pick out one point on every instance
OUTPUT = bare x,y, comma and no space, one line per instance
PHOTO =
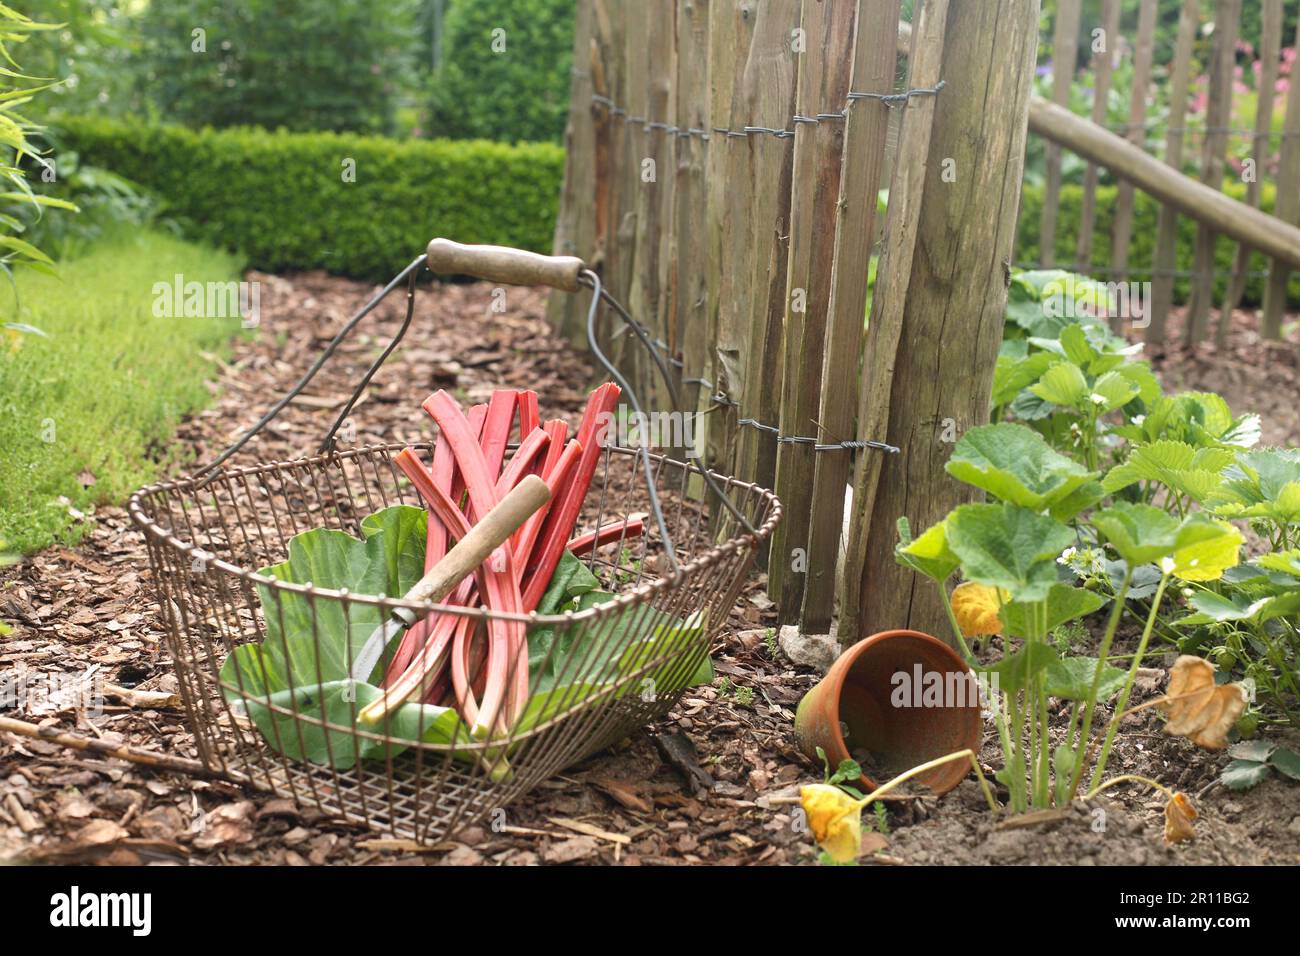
1179,814
976,607
835,819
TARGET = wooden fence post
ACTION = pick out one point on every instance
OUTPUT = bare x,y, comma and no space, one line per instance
1166,256
769,94
815,188
906,192
1218,116
575,224
1288,210
1103,67
690,285
866,129
1270,49
1137,134
1065,58
939,374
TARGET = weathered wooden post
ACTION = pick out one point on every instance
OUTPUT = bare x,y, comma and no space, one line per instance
934,371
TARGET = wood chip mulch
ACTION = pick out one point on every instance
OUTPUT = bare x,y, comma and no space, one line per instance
87,614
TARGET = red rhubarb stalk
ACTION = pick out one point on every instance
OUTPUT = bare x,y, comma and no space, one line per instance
630,527
528,416
564,513
496,429
555,478
506,639
428,662
532,446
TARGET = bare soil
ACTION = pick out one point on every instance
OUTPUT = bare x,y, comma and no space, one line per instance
710,784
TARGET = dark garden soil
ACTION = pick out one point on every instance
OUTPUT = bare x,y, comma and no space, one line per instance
713,783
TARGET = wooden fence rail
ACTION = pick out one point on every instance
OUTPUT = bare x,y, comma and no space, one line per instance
1218,124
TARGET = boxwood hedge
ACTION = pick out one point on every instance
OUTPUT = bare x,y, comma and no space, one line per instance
354,205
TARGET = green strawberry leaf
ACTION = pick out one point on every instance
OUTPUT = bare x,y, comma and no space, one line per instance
1014,463
1008,547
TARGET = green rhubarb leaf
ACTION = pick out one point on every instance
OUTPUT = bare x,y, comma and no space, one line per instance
596,652
1014,463
294,686
312,642
1008,547
1064,604
1071,679
1243,774
928,554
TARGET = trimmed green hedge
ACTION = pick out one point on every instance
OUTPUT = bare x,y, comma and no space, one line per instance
281,199
1142,250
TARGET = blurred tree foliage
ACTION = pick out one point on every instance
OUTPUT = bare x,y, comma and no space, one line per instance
92,56
298,64
505,70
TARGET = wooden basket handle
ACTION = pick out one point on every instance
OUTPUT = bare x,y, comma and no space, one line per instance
504,264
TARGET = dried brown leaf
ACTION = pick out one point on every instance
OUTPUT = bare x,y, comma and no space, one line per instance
1199,709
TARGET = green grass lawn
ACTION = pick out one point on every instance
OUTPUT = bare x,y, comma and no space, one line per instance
104,392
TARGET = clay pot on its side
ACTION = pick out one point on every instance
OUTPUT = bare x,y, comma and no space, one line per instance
853,709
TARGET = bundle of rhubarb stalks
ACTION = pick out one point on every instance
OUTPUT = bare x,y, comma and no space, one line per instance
477,666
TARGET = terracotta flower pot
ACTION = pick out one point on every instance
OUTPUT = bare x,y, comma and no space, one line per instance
875,702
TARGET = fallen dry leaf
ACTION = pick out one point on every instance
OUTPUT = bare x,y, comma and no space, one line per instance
228,824
101,832
148,699
624,793
570,850
1179,817
1197,708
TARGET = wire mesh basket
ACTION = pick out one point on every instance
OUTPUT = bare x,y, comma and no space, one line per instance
595,672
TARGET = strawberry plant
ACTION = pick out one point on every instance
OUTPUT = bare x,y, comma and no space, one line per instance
1010,548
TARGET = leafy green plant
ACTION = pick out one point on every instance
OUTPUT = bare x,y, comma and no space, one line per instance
295,684
16,146
1011,547
505,71
292,64
1253,761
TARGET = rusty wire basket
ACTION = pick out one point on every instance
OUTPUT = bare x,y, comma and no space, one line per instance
420,774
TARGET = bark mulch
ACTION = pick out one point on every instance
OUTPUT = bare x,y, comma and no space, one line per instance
709,784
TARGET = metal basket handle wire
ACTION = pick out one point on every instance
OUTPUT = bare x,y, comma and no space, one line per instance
514,267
